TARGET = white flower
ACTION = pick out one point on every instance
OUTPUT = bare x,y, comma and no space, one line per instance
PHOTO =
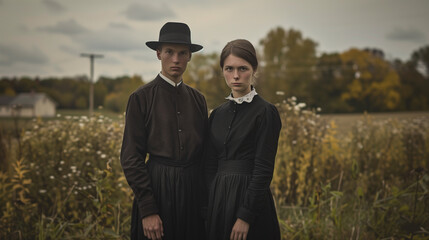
103,156
62,162
280,93
51,177
301,105
42,191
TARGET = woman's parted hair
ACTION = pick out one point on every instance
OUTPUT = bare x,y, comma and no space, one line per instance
240,48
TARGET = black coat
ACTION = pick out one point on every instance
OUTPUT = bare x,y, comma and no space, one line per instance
167,123
242,146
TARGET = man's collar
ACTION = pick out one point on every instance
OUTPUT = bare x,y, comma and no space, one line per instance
172,83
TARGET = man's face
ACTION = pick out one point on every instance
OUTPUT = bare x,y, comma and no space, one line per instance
174,59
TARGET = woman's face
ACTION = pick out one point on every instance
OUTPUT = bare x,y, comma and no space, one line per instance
238,75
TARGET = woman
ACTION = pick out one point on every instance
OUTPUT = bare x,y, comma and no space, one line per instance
241,150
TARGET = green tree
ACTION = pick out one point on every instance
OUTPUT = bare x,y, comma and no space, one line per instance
288,64
205,74
329,84
117,100
414,87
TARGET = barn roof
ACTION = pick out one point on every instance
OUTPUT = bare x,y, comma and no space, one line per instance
29,99
5,100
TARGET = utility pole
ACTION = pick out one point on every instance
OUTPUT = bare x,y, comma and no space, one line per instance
91,84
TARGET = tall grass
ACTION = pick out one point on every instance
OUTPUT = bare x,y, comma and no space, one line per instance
61,179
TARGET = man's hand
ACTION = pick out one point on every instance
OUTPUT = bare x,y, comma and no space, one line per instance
239,230
152,227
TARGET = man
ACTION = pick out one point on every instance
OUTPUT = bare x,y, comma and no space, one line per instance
167,120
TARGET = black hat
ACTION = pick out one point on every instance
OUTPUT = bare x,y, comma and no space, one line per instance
176,33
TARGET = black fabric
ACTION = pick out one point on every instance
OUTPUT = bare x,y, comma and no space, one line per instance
174,188
168,123
239,166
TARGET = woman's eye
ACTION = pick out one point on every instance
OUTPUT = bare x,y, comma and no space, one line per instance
243,69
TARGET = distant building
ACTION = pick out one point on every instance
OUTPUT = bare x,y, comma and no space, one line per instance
27,105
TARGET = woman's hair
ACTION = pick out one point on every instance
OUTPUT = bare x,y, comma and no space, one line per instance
240,48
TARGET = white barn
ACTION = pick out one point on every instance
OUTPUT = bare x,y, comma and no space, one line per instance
28,105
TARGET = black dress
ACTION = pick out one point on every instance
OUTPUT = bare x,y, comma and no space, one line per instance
242,146
167,123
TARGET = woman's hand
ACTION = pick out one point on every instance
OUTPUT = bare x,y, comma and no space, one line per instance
239,230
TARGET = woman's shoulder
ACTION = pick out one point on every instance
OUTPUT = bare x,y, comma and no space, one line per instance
263,104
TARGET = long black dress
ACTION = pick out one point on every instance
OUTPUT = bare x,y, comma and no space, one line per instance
168,123
243,141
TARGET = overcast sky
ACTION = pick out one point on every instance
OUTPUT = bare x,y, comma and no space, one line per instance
46,37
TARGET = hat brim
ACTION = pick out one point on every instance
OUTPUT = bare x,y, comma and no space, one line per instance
155,44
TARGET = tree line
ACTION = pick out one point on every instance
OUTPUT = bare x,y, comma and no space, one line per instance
355,80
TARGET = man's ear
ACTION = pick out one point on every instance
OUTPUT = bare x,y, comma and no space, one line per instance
158,54
190,56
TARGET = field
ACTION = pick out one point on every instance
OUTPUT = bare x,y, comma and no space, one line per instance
346,121
337,176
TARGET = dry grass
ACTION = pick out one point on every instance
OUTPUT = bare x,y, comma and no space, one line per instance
346,121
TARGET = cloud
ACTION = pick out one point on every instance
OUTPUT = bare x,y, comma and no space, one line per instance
119,25
12,54
69,27
53,6
406,35
110,40
148,12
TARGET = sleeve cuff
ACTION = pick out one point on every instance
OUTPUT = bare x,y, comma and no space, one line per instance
246,215
147,209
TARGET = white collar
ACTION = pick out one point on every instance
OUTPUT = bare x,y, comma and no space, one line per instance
169,81
246,98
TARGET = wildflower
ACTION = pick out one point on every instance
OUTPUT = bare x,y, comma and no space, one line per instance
42,191
103,156
301,105
88,163
51,177
60,169
61,162
280,93
58,115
